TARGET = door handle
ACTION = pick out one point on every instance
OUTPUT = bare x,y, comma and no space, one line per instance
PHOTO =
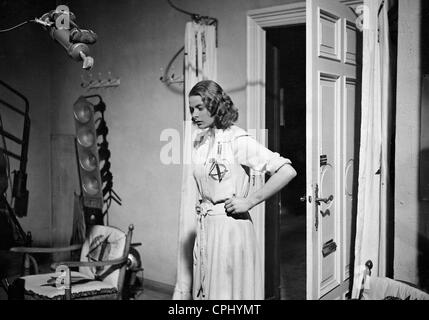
316,216
318,201
304,199
325,200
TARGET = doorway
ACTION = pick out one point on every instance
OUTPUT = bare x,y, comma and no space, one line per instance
333,57
286,125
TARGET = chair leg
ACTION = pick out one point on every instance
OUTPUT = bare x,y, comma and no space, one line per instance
5,284
16,290
30,265
26,269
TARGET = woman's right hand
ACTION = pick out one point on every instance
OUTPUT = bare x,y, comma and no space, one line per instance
198,208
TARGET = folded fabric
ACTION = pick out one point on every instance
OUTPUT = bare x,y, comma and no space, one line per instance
389,289
73,280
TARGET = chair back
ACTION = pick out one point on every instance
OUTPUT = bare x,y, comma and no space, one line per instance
106,243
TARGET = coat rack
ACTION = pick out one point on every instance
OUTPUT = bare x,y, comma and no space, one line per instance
100,83
196,17
168,76
171,79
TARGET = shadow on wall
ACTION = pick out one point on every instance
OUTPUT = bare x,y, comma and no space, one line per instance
178,87
358,126
423,239
390,247
423,257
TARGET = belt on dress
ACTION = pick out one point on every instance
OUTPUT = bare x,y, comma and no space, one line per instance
207,208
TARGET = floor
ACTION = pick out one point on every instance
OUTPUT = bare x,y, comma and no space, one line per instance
152,294
293,257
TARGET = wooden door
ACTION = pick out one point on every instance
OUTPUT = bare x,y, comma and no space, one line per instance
332,82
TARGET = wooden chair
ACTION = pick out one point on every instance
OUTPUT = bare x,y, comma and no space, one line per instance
101,269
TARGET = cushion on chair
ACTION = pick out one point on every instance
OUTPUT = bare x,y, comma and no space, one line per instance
103,243
42,286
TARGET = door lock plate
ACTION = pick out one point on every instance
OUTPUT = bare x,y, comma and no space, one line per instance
329,248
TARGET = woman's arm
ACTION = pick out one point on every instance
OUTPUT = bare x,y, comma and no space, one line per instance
274,184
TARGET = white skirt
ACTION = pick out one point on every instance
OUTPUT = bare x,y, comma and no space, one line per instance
227,264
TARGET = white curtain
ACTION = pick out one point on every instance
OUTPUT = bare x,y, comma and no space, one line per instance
374,168
200,64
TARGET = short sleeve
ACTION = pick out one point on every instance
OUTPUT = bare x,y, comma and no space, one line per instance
252,154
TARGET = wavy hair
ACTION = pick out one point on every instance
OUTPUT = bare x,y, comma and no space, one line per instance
217,102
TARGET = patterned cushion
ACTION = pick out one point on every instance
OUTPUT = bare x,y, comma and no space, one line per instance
42,286
104,243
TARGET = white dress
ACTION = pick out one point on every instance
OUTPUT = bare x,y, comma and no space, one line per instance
227,263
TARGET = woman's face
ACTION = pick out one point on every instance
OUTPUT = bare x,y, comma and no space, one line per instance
200,115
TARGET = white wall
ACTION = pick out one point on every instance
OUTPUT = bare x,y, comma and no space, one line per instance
411,228
136,39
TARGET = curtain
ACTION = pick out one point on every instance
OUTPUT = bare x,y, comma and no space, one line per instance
200,64
371,224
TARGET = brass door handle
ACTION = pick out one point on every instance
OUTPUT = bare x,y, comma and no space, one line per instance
325,200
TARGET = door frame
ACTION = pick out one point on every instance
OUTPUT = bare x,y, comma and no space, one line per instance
257,20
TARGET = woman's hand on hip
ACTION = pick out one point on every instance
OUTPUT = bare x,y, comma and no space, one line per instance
236,205
198,208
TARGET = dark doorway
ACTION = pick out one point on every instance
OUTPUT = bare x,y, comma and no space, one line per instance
285,240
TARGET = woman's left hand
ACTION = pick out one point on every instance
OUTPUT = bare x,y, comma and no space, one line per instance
237,205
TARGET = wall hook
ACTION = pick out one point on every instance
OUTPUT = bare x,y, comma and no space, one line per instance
170,79
100,83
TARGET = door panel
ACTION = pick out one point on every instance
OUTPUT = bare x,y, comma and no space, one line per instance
349,171
331,114
329,36
329,105
351,43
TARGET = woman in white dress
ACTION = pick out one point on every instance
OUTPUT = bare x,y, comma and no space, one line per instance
227,264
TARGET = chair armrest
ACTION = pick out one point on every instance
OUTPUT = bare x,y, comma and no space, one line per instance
46,250
73,264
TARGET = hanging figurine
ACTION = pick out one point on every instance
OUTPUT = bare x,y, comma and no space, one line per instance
62,27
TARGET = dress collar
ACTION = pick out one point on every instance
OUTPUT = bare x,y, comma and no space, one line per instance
211,133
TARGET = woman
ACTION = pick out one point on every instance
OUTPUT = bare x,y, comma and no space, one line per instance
227,264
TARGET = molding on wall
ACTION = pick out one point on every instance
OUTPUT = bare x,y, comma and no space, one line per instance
352,3
279,15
